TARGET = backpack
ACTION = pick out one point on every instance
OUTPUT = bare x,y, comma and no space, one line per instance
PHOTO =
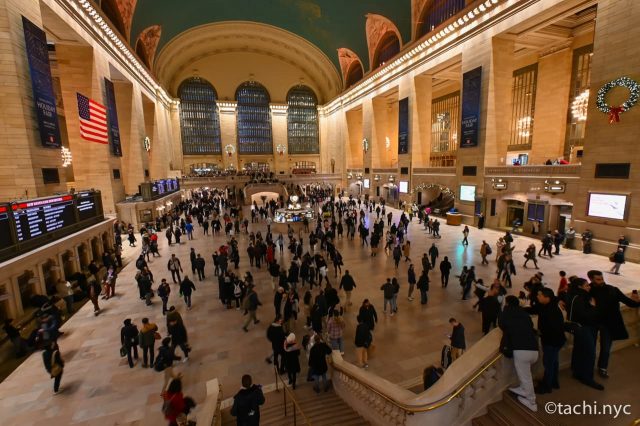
237,290
488,249
160,365
445,358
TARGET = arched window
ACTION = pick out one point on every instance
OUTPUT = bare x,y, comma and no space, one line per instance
388,48
253,117
199,118
436,13
302,121
354,74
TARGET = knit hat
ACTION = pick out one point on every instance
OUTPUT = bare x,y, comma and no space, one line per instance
291,338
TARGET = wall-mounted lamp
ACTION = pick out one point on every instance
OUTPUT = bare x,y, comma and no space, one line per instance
554,186
499,184
376,178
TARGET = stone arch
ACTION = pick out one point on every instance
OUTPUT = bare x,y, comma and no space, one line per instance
120,13
147,44
350,66
379,29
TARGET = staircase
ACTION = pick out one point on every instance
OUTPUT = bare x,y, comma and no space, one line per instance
323,409
509,412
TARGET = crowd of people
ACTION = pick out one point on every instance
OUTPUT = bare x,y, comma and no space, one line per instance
313,292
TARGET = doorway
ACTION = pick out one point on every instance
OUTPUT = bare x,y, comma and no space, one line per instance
515,210
564,218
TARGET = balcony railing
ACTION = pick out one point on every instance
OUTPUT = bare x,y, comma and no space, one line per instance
434,170
568,170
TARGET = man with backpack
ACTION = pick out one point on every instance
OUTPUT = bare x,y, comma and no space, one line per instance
164,361
247,402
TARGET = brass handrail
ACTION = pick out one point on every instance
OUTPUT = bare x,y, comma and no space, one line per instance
287,391
217,414
429,407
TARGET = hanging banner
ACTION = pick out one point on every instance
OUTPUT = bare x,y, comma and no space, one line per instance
471,91
42,84
112,119
403,126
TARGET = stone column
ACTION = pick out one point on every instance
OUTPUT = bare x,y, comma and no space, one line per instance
552,99
616,53
16,310
132,173
420,120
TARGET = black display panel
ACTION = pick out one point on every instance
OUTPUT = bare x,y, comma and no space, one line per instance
87,206
39,217
6,236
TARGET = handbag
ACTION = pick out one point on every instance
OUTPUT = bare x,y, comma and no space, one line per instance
157,336
571,326
123,351
56,369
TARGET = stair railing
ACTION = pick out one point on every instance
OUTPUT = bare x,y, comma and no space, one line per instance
295,406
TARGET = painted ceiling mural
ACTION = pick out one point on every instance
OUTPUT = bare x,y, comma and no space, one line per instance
328,24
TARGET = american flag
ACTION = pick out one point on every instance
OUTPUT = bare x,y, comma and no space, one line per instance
93,120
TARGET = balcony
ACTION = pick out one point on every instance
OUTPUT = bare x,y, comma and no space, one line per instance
437,171
565,171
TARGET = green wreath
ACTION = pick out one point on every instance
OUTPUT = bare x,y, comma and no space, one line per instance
615,111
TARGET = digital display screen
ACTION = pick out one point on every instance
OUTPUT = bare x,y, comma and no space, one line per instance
160,188
467,193
38,217
6,239
86,205
367,183
610,206
404,187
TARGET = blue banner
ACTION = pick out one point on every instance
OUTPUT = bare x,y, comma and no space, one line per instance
42,84
471,92
403,126
112,117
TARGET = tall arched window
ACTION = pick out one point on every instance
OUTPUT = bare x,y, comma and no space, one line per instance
253,117
302,121
199,118
436,13
354,74
388,48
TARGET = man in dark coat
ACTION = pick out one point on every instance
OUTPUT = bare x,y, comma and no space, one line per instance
423,286
186,288
348,284
490,308
551,329
129,340
318,362
611,325
368,314
276,335
247,402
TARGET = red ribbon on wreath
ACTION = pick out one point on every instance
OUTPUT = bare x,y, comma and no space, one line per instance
614,114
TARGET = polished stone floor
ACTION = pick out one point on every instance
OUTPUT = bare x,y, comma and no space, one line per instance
100,389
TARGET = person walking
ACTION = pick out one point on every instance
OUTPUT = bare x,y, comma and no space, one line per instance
129,340
423,286
164,290
65,291
200,265
94,293
164,362
335,331
618,259
54,364
186,289
147,339
347,283
411,279
445,270
363,339
251,303
247,402
465,233
277,337
582,320
179,337
485,250
520,337
292,358
433,254
397,255
387,291
368,314
406,251
611,324
396,291
489,306
174,266
458,343
551,329
318,362
530,254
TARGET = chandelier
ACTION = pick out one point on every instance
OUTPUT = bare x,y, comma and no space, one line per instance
579,106
66,156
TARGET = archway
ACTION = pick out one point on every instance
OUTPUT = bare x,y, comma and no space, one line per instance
439,198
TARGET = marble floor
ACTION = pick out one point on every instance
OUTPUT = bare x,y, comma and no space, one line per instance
100,388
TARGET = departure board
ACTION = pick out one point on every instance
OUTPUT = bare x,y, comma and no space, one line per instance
39,217
87,206
6,236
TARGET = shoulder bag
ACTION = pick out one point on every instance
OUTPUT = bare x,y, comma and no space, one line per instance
571,326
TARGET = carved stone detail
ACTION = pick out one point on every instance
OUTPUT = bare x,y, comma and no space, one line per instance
126,8
149,38
417,7
377,27
347,57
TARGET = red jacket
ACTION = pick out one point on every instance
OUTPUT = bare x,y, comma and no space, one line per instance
176,401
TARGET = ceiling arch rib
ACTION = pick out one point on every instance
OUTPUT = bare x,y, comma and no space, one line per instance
148,40
242,48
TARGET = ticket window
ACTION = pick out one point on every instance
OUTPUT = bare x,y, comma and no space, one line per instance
28,285
5,312
84,256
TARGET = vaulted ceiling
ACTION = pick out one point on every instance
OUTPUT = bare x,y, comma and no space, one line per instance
327,24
